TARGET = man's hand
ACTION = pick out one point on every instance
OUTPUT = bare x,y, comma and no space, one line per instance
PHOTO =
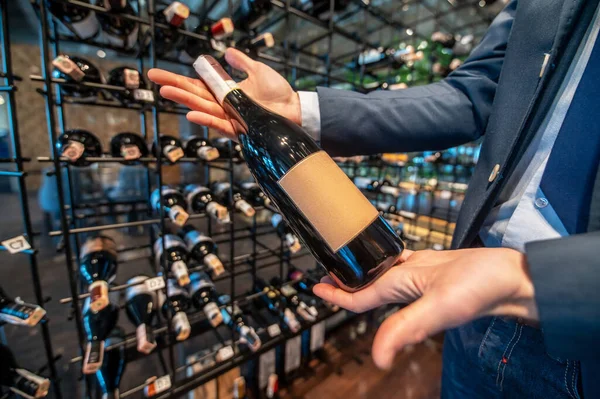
263,85
444,289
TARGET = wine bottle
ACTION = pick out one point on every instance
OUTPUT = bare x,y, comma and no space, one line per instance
129,146
305,281
176,256
254,194
445,40
136,89
97,268
285,233
340,226
203,249
277,304
234,318
19,380
376,186
254,44
113,366
222,144
174,16
81,21
215,45
97,326
251,13
175,306
308,313
141,308
76,145
236,200
200,200
77,70
172,150
118,32
205,297
173,203
15,311
198,147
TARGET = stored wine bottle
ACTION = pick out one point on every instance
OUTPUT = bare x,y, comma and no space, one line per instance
205,297
76,145
173,203
254,194
19,380
135,86
97,268
251,13
376,186
175,306
234,318
277,304
97,326
77,70
81,21
141,308
176,256
129,146
284,232
174,16
200,200
119,32
305,281
203,249
171,149
216,33
113,366
308,313
341,227
236,200
446,40
15,311
226,151
198,147
254,44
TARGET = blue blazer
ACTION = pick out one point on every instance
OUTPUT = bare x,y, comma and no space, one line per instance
499,92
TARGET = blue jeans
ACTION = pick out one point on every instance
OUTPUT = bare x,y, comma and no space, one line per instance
497,357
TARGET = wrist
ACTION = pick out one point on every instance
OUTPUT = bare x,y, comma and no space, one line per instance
520,299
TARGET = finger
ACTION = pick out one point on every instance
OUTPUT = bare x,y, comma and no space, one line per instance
405,255
357,302
239,60
166,78
328,280
192,101
410,325
211,121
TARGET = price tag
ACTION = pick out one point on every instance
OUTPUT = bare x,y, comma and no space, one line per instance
159,385
317,336
224,353
293,350
143,95
155,283
266,367
68,67
16,244
274,330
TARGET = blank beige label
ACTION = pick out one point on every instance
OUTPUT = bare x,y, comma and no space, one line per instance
327,197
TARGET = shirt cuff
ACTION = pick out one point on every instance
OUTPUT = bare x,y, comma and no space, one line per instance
311,114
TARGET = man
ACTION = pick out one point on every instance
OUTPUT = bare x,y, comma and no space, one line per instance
531,217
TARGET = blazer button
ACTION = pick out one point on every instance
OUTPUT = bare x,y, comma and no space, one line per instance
494,173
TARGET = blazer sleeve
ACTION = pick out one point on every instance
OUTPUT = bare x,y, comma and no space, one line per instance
566,276
431,117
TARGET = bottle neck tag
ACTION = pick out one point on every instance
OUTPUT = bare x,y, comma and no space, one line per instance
272,385
157,385
68,67
145,342
218,212
288,290
215,77
143,95
180,272
213,262
181,326
31,385
245,208
130,152
99,298
292,243
73,150
176,13
213,314
20,313
225,353
178,215
173,153
131,78
291,320
94,356
208,153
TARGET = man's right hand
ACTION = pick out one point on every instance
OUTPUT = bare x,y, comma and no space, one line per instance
264,85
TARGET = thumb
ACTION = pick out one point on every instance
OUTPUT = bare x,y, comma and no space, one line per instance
239,60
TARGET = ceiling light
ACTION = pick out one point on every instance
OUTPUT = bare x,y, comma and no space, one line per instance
409,32
482,3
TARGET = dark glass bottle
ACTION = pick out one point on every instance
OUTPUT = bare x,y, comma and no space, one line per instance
174,16
200,200
173,202
77,70
81,21
234,318
97,268
76,145
236,200
251,13
141,308
199,147
205,297
136,89
225,152
277,304
172,150
216,33
118,32
376,186
252,45
305,281
203,249
308,313
176,257
18,380
254,194
175,307
19,313
113,366
284,232
129,146
339,225
97,326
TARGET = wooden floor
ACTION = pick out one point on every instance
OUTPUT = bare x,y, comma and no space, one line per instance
350,373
